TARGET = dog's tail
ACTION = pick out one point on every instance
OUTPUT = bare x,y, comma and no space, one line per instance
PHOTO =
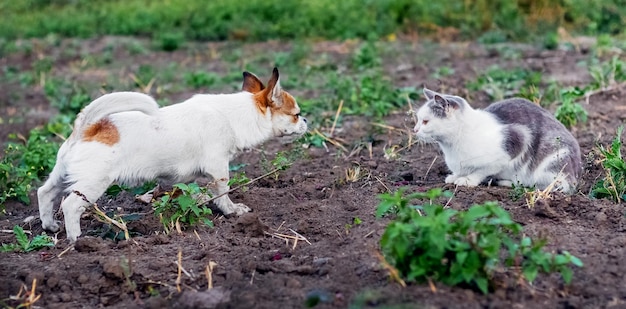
112,103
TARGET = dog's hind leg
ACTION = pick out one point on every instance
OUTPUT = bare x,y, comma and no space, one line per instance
46,195
81,195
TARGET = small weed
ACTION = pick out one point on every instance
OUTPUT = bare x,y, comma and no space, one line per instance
26,245
518,191
355,222
569,113
608,73
442,71
429,241
145,75
369,94
500,83
366,57
169,41
239,179
25,162
200,79
613,186
282,161
181,205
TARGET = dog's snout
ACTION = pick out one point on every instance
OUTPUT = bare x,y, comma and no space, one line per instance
303,119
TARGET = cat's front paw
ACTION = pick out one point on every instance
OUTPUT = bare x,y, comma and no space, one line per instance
234,209
52,226
451,178
240,208
466,181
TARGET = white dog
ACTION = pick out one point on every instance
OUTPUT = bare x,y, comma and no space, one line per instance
125,137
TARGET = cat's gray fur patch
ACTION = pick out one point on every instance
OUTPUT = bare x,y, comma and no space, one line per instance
441,104
546,134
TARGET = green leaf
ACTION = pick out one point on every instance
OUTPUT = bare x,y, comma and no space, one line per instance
530,272
576,261
183,187
482,284
22,239
461,256
185,202
567,275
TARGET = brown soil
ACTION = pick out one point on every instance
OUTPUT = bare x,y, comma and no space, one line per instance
338,263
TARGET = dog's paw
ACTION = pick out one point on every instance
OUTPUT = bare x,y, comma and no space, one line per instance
53,226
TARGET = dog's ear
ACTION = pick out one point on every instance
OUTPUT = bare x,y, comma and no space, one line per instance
251,83
274,90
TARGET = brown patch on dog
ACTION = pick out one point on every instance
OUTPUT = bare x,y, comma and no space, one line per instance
103,131
288,107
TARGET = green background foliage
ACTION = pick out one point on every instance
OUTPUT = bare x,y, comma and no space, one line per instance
171,21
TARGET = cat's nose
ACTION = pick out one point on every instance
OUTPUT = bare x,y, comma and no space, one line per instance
304,119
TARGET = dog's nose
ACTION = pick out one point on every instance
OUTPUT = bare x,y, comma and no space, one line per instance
304,119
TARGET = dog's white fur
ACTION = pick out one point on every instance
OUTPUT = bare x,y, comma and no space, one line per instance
125,137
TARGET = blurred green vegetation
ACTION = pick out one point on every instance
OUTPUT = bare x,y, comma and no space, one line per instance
253,20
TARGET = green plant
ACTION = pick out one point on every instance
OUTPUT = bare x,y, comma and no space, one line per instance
281,161
239,179
355,222
569,112
369,94
200,79
518,191
613,186
26,245
501,83
146,74
428,241
69,99
169,41
442,71
182,205
608,73
366,57
25,162
116,189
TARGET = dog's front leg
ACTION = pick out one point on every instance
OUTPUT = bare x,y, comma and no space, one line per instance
223,202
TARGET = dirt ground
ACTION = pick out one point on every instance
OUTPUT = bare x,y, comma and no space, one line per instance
338,263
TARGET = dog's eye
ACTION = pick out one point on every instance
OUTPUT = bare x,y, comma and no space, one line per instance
424,122
296,115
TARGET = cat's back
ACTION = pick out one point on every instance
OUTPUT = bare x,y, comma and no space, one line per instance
519,111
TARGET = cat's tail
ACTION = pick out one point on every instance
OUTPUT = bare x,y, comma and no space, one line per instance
112,103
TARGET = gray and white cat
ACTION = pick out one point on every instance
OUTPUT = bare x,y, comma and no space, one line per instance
513,141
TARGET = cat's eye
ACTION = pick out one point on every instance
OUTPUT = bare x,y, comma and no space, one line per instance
424,122
296,116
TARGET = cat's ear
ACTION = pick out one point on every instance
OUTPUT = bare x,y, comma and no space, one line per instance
440,101
442,106
429,94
